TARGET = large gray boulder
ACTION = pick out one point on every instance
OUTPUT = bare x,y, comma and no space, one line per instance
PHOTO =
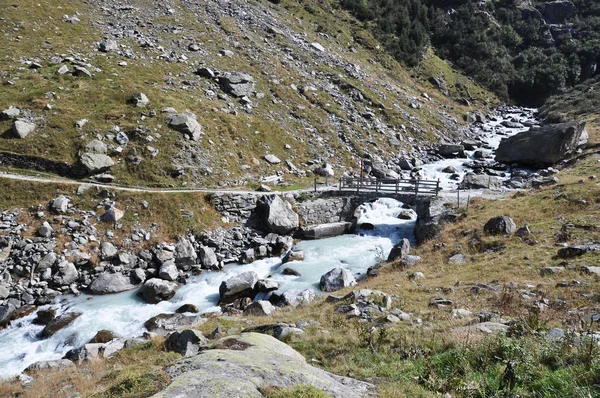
295,297
254,361
542,146
67,273
22,128
185,123
336,279
184,254
400,250
480,181
187,342
60,204
275,215
259,308
237,84
208,258
451,150
107,283
156,290
165,323
168,271
238,286
96,162
53,365
500,225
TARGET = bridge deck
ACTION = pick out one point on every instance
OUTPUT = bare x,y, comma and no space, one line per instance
389,186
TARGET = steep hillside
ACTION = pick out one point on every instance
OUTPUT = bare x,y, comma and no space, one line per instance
320,89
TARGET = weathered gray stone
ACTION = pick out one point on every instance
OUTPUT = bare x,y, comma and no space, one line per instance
140,100
22,128
185,123
237,84
45,230
164,323
107,283
66,274
187,342
276,215
259,308
326,230
208,258
480,181
59,323
156,290
458,259
108,46
168,271
272,159
500,225
112,215
96,163
253,361
296,297
107,251
60,204
57,364
239,286
336,279
96,146
10,113
545,145
400,250
184,254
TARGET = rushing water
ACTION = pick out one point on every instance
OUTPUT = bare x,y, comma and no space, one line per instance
124,313
490,136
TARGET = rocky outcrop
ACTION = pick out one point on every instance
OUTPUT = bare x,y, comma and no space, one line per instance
330,210
237,84
557,12
254,361
542,146
400,250
432,215
187,342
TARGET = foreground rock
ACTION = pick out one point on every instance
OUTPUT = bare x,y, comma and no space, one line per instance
238,286
22,128
185,123
500,225
545,145
336,279
254,361
96,163
187,342
400,250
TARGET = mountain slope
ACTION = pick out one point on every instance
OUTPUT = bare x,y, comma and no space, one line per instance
331,101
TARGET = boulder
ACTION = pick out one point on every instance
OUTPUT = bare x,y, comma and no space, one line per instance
156,290
545,145
187,342
96,146
185,255
480,181
66,274
503,225
108,46
107,251
266,286
140,100
45,230
400,250
112,215
10,113
107,283
259,308
163,323
60,204
449,150
208,258
187,308
6,312
294,297
275,215
272,159
53,365
86,353
325,170
577,250
239,286
103,336
336,279
237,84
44,317
326,230
253,361
59,323
168,271
96,163
22,128
278,330
185,123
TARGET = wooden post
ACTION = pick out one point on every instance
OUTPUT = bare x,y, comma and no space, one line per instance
326,180
397,185
416,188
458,198
315,184
468,201
437,187
489,181
377,185
341,182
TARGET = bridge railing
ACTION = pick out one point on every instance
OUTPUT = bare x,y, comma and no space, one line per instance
390,185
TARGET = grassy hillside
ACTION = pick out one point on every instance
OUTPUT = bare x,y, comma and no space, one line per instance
334,106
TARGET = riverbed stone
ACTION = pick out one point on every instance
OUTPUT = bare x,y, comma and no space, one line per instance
259,308
109,283
186,342
59,323
480,181
168,271
66,274
503,225
336,279
239,286
156,290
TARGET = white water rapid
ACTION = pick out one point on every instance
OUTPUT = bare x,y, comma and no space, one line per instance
124,314
490,134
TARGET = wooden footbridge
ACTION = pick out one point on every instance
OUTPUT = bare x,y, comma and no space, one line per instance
389,186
